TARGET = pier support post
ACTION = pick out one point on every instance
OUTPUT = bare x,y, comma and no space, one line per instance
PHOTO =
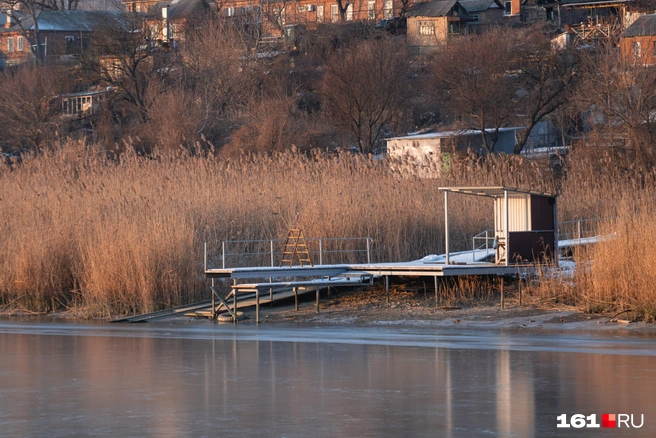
317,300
446,226
387,289
296,298
257,305
213,305
234,301
436,291
503,306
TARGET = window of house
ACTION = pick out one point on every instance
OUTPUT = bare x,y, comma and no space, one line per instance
388,9
10,44
334,13
426,28
507,8
319,13
475,18
349,12
654,48
20,44
371,10
230,11
636,50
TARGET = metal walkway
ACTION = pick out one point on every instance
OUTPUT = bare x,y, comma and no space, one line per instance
168,313
249,295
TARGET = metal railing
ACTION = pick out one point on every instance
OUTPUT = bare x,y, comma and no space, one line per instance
567,230
578,229
487,237
249,253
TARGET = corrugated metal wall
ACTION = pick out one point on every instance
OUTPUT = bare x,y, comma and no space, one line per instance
518,213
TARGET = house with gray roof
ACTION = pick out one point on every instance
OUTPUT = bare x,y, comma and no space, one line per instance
483,12
638,42
61,34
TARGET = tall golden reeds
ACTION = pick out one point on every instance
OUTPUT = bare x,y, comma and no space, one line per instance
125,235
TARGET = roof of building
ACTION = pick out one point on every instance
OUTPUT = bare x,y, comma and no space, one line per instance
448,134
478,5
437,8
181,8
592,3
645,25
71,21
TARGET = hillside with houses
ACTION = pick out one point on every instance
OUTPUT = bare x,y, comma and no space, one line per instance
245,76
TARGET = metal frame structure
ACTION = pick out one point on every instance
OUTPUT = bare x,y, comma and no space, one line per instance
499,192
453,265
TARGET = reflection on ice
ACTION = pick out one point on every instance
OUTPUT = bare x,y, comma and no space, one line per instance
203,380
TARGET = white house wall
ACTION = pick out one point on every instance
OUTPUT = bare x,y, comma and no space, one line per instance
417,149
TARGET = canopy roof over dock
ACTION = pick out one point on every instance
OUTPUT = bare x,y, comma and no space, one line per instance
525,222
492,192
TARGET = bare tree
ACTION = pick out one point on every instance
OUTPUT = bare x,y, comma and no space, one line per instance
28,107
274,12
502,77
547,79
218,71
472,81
619,97
123,56
364,89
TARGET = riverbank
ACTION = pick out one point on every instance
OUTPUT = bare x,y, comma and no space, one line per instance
413,309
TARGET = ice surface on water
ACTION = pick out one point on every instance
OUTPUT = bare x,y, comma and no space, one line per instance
63,379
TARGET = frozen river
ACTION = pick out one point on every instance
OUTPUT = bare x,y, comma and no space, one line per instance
201,379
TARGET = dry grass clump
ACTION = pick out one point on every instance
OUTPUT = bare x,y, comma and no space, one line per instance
604,184
466,290
620,275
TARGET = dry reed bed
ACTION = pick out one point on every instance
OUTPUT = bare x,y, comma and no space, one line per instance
109,237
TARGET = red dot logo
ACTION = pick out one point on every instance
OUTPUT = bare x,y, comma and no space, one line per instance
608,420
